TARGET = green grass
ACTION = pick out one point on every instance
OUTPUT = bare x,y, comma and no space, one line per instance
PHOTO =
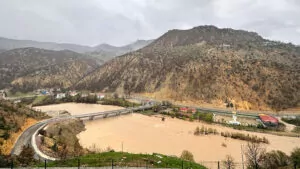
126,159
38,99
295,121
19,94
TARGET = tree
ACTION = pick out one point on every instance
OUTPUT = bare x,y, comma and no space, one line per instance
54,147
197,131
128,87
116,96
63,152
186,155
295,156
3,161
26,156
275,160
228,163
254,154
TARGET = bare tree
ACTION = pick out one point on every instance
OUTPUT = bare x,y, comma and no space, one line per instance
254,154
128,87
228,163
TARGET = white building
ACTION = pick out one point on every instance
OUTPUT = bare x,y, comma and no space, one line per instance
60,95
2,94
73,93
100,96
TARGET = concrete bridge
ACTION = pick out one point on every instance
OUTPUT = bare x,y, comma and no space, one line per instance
28,136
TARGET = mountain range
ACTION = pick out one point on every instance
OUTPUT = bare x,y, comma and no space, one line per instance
105,49
206,64
26,65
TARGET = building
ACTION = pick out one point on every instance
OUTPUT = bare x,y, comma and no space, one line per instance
84,95
2,94
100,96
60,95
268,120
187,109
73,93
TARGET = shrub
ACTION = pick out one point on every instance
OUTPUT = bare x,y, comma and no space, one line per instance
296,129
228,163
245,137
207,117
295,155
197,131
294,121
275,159
186,155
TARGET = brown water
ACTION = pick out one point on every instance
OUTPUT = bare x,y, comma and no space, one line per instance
143,134
78,108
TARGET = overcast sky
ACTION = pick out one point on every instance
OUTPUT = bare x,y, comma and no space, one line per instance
118,22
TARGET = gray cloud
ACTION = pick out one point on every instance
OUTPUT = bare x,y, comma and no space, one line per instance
116,22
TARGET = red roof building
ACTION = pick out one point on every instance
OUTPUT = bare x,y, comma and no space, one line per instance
268,120
186,109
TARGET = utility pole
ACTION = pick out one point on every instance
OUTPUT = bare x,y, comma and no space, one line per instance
242,155
122,146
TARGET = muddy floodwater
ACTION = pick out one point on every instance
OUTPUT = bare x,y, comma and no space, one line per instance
77,108
147,134
143,134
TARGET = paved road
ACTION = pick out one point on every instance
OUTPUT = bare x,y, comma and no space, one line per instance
245,113
26,137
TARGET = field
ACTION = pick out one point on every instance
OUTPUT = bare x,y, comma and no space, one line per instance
126,159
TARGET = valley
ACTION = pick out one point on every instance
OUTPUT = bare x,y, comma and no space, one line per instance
207,90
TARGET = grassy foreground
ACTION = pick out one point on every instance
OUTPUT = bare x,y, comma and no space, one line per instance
126,159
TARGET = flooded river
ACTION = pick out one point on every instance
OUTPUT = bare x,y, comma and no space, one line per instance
144,134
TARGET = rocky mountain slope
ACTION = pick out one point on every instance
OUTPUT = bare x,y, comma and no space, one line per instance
208,65
106,52
14,119
26,69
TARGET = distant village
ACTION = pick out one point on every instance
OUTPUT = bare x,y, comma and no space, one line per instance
60,93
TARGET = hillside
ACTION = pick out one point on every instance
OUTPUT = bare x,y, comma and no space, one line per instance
15,118
102,52
207,65
107,52
26,69
9,44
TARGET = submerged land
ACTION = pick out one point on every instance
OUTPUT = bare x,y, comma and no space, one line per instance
139,133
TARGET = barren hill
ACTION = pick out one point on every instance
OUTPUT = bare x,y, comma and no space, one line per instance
32,68
209,65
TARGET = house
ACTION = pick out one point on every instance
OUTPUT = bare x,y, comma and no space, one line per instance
60,95
187,109
268,120
73,93
2,94
100,96
17,101
84,95
44,92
